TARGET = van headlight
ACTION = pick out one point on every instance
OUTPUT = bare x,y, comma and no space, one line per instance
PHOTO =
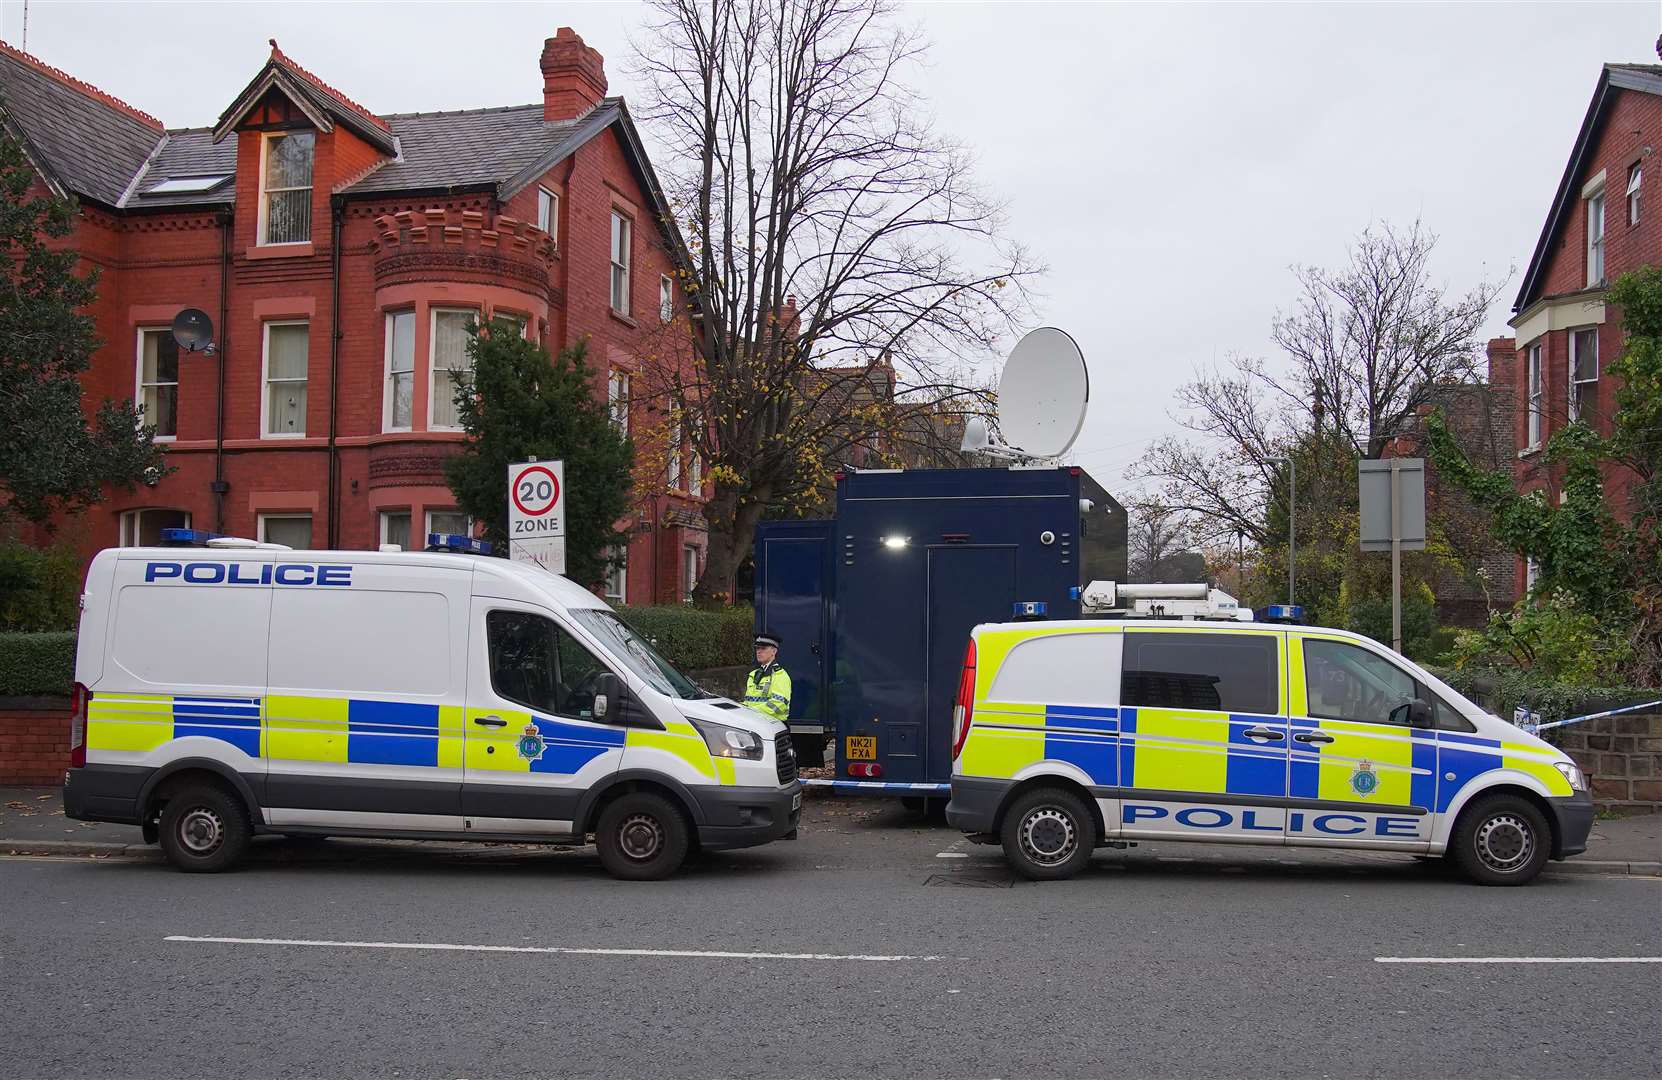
729,742
1571,773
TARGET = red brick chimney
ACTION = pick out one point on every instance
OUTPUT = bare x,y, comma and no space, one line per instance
573,76
1503,361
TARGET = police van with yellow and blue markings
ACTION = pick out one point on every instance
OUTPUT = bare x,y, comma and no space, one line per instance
238,688
1072,735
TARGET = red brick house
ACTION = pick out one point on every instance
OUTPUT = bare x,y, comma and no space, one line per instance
341,255
1606,219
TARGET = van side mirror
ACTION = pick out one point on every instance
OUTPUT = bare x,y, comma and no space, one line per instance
608,695
1416,713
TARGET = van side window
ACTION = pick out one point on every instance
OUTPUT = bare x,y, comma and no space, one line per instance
1213,672
1346,682
535,664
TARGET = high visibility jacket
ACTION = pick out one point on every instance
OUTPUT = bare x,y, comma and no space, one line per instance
768,690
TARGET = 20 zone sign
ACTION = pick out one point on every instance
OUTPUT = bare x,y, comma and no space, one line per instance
535,491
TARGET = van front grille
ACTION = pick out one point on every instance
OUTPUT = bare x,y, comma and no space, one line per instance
785,754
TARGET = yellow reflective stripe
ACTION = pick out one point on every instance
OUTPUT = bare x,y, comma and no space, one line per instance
1298,703
1180,751
495,749
452,736
136,722
1540,770
724,770
998,754
305,728
1388,752
1009,713
683,741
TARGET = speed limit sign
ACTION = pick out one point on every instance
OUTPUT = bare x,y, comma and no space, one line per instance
537,513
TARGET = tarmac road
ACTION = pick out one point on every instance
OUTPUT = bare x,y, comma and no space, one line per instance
865,953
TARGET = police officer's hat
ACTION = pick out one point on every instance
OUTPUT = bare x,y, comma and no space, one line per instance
767,637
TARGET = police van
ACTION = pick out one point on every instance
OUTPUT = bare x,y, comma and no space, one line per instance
1072,735
237,688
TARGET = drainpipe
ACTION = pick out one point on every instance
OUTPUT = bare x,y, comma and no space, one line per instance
223,349
337,218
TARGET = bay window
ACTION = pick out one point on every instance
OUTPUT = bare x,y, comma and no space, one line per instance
449,364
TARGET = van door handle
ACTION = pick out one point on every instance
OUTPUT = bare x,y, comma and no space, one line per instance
490,721
1312,737
1264,734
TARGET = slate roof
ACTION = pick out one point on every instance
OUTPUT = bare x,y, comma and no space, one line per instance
89,142
105,150
1645,78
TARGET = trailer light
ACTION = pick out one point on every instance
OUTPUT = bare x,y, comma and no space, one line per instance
895,543
865,770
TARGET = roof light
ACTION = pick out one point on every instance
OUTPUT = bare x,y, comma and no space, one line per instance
458,542
187,537
1284,613
1030,609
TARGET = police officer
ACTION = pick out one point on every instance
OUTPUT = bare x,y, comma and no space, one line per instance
768,689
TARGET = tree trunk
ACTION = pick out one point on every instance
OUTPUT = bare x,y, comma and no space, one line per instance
732,519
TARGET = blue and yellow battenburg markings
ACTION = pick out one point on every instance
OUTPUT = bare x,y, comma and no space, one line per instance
283,727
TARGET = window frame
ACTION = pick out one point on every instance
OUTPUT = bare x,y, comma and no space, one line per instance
387,512
552,204
617,399
620,272
561,631
666,298
134,517
674,476
427,519
265,378
389,394
689,572
139,384
262,520
1576,334
1595,241
618,573
1635,191
263,212
1535,395
433,313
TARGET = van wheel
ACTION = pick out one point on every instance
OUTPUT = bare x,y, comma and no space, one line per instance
204,829
642,837
1048,834
1501,840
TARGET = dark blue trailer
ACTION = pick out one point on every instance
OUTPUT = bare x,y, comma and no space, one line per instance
918,558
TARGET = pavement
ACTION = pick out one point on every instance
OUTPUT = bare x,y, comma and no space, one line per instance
876,945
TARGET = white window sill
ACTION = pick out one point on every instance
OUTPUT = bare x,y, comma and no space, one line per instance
282,434
1527,451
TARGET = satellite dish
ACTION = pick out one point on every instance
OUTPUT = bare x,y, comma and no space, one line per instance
193,330
975,435
1043,394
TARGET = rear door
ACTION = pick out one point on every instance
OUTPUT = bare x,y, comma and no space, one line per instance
967,585
1202,733
791,603
533,744
1367,776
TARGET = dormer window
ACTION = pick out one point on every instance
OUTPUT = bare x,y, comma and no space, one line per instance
286,187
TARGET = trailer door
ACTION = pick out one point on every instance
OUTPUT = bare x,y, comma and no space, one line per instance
790,601
967,585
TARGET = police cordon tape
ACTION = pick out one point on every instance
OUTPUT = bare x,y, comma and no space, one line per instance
1522,718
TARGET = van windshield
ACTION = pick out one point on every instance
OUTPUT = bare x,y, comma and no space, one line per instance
638,653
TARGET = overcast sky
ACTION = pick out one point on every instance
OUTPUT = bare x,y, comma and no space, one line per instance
1168,162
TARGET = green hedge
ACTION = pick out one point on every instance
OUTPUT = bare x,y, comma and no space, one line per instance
37,665
1503,691
693,639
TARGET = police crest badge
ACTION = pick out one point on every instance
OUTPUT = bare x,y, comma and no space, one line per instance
531,743
1364,781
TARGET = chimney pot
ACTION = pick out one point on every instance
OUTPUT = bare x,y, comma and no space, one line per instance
573,76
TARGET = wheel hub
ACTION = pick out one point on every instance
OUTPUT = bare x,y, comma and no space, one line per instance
1505,842
1048,836
641,837
201,831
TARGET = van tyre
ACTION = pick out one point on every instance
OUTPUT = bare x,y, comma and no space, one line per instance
642,837
1048,834
204,829
1501,840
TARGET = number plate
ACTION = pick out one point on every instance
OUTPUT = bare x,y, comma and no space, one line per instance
862,747
796,802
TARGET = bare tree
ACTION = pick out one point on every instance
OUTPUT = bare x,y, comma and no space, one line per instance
1157,532
830,230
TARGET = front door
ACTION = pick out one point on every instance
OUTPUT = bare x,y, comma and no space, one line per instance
1203,739
533,745
1363,773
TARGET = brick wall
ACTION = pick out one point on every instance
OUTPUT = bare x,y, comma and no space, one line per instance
34,740
1622,757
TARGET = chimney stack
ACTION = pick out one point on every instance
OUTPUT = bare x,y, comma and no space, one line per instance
573,76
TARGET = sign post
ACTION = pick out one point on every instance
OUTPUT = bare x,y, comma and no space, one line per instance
1392,498
537,514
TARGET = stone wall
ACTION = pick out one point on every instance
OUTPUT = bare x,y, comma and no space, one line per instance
34,740
1622,757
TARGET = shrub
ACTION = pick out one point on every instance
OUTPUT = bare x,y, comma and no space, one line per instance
1555,639
40,588
37,665
694,639
1502,691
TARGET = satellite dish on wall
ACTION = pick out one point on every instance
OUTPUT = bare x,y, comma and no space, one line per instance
194,331
1043,394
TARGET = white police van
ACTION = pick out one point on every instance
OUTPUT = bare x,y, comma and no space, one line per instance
237,688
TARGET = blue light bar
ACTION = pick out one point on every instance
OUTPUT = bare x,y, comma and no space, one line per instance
457,542
1031,609
187,537
1286,613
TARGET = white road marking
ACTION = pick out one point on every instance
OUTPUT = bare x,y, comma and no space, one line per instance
1517,959
709,954
951,854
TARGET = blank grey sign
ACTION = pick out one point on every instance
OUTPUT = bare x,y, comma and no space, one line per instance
1373,480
